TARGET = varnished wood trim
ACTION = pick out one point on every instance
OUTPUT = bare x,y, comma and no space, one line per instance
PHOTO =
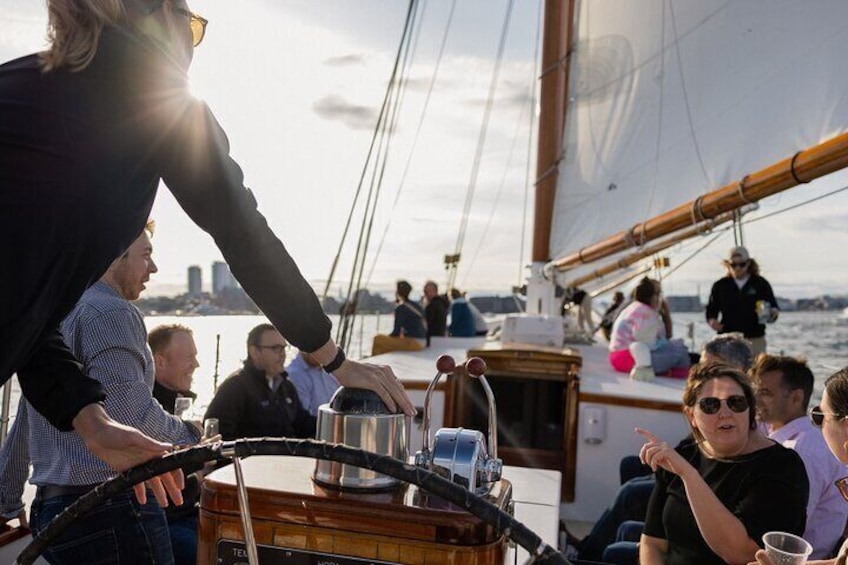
631,402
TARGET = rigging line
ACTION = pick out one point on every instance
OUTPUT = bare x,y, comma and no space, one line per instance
697,251
660,111
528,171
402,182
804,203
374,135
389,88
371,214
497,200
481,140
686,96
381,160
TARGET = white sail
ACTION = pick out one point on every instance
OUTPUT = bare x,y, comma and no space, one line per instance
671,99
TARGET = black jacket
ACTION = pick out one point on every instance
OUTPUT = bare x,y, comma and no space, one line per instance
738,307
81,157
247,407
437,316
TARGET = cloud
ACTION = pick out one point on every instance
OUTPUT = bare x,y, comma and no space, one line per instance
353,59
335,108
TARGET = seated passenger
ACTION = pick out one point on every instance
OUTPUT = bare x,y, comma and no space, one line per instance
314,385
716,497
637,480
832,417
783,386
461,318
259,400
409,317
639,332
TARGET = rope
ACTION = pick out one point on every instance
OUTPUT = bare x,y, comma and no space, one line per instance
344,331
481,141
402,182
528,167
196,456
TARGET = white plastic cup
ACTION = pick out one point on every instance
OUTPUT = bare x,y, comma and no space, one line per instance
786,549
182,407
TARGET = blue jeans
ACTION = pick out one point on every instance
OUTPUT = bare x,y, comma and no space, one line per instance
631,503
119,530
184,540
625,550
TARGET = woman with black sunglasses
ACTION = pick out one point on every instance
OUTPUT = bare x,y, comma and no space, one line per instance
832,417
715,497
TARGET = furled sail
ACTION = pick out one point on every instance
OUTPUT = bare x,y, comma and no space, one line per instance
671,99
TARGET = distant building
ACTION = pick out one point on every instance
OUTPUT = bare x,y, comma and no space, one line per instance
221,277
195,281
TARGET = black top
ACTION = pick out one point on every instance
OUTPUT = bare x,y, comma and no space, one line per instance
738,307
247,407
766,490
81,157
168,398
437,316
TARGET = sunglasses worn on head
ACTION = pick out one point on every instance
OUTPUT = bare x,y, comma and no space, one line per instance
817,416
711,405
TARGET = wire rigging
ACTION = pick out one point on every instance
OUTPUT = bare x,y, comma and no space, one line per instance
402,182
382,131
481,141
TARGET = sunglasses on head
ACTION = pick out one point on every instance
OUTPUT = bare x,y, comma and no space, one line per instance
817,416
711,405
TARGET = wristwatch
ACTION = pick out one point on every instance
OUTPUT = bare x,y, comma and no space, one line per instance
336,362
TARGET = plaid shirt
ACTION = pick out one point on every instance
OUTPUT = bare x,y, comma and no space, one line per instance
107,334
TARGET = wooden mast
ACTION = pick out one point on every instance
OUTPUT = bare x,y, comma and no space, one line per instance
803,167
553,102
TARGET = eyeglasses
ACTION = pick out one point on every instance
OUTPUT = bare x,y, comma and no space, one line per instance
737,265
817,416
278,349
711,405
196,23
842,486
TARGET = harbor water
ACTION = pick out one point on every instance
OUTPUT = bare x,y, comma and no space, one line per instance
821,337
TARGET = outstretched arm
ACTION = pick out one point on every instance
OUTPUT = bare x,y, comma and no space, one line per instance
723,532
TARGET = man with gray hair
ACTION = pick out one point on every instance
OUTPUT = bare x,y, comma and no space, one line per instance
731,349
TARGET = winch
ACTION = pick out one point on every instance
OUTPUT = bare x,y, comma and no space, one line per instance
307,511
458,454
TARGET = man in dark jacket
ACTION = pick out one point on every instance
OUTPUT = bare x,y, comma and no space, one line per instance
742,301
436,310
87,131
258,400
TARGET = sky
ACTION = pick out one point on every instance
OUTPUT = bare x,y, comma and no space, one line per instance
298,85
